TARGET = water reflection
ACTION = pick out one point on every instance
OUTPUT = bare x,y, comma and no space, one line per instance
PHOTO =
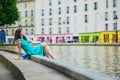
105,59
116,62
86,58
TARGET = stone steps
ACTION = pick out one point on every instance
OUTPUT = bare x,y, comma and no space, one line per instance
29,70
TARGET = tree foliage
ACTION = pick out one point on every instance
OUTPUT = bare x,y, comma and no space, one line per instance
8,12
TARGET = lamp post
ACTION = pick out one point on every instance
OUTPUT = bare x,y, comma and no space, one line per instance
116,18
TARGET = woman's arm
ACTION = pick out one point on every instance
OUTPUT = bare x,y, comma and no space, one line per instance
19,48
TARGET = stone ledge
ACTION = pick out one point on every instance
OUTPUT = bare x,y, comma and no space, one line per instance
69,44
71,71
28,69
86,44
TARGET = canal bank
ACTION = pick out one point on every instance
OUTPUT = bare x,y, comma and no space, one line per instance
85,44
103,58
71,71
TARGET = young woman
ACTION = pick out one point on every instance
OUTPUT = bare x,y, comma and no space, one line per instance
25,44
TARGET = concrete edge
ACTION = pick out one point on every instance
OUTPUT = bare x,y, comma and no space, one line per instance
73,44
18,75
85,44
71,71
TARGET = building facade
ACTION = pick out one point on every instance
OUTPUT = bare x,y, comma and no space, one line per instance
76,16
26,11
100,37
64,19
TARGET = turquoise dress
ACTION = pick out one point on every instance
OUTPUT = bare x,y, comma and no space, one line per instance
30,49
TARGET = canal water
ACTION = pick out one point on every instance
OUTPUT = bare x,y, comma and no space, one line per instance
104,59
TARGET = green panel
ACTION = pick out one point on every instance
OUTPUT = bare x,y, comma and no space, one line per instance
91,36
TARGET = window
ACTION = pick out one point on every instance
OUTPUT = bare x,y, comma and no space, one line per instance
59,10
50,30
12,32
42,22
7,32
75,9
68,29
59,30
25,4
114,26
86,18
106,3
50,11
43,31
19,24
106,37
26,31
32,13
75,0
42,14
114,14
59,1
32,22
95,5
32,31
68,9
50,2
19,13
68,20
26,23
114,3
59,21
106,26
50,21
106,16
86,7
26,14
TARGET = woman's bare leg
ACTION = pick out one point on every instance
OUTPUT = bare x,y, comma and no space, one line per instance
47,51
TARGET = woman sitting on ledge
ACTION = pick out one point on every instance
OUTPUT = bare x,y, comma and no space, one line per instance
25,44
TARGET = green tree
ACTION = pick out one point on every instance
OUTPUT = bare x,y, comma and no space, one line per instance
8,12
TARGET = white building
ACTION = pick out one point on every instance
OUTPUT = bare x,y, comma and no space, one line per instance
75,16
56,20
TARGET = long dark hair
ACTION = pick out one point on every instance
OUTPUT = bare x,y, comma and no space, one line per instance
17,35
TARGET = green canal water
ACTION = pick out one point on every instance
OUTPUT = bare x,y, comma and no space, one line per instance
104,59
